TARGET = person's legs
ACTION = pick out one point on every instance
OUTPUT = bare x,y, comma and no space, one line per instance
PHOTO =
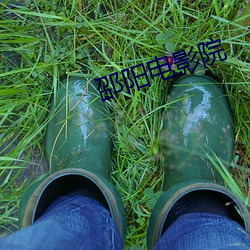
71,222
204,231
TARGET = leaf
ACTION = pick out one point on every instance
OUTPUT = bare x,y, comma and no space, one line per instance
79,25
148,192
160,38
47,58
170,46
165,36
158,194
200,70
169,33
151,203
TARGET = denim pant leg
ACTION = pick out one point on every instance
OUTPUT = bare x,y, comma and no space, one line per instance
204,231
76,222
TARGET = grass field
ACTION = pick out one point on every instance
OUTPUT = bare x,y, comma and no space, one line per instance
45,41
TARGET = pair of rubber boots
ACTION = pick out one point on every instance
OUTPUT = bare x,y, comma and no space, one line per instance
197,132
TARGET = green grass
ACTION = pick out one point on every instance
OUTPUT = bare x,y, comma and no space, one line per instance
55,39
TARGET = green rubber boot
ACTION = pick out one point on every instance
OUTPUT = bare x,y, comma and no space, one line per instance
197,125
78,149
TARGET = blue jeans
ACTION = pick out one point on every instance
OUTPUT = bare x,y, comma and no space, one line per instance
80,222
204,231
70,223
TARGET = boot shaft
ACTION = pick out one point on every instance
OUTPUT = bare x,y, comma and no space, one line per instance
197,122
